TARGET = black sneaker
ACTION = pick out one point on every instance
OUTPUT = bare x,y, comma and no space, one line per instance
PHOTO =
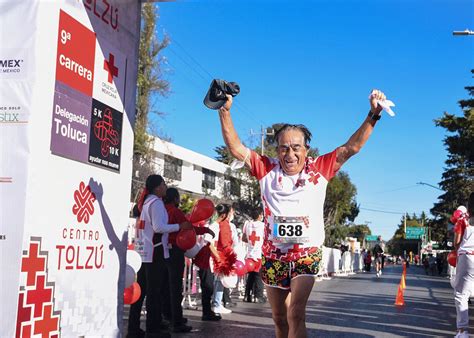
230,304
261,300
182,328
212,317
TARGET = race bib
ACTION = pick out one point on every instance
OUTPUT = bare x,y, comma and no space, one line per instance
291,229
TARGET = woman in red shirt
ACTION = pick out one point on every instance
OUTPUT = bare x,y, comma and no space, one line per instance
223,232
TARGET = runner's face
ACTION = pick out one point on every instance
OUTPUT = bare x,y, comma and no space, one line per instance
292,151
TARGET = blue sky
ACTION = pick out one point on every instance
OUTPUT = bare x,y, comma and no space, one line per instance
315,62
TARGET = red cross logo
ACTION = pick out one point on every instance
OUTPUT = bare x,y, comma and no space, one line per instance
253,238
109,66
23,315
314,178
39,296
48,324
295,249
32,264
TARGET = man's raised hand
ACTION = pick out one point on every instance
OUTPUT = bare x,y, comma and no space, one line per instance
227,105
375,96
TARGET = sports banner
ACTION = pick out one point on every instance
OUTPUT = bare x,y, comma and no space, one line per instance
68,73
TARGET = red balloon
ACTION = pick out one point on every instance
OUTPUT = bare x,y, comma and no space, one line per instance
240,268
250,265
203,210
258,265
132,293
452,258
186,239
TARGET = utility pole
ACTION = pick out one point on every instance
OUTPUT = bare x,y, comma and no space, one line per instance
405,224
263,132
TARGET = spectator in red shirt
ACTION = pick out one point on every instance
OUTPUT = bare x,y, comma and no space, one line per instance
175,264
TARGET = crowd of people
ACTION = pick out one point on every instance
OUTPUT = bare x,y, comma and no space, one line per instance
158,219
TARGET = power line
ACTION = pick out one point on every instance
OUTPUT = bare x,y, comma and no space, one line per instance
384,211
397,189
244,109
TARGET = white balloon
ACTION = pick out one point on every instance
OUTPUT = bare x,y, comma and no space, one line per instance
134,260
129,276
229,281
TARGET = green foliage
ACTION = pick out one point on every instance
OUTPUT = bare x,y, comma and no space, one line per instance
359,231
223,155
150,84
458,177
340,205
187,203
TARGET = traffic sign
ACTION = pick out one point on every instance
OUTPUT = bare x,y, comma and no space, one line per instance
415,232
371,238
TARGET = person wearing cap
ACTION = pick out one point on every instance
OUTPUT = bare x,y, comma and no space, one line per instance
293,189
464,280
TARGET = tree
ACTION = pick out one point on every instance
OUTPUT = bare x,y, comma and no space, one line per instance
359,231
458,177
150,84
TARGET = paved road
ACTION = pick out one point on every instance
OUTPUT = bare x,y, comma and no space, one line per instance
356,306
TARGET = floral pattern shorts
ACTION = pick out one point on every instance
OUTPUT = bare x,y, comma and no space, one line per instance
279,274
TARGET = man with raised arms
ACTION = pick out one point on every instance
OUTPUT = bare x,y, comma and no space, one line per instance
293,189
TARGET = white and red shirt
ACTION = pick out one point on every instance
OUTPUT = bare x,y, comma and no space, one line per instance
298,195
153,218
255,232
465,228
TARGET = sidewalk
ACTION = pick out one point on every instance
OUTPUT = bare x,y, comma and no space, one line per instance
356,306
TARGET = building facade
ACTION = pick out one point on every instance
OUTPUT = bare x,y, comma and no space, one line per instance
196,174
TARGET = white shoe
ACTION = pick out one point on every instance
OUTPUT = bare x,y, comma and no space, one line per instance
221,310
380,272
463,334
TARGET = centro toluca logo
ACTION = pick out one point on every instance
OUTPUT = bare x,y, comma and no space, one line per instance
103,10
84,203
11,65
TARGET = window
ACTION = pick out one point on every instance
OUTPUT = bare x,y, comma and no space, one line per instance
209,179
173,167
234,187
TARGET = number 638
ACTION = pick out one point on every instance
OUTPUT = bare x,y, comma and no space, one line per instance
288,230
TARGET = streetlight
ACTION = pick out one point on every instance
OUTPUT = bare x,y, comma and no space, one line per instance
465,32
430,185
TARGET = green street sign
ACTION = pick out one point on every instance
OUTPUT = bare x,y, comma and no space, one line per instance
371,238
415,232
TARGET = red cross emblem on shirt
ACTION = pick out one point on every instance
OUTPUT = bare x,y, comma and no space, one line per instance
109,66
254,238
296,248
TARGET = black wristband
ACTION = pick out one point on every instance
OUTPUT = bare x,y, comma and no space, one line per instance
373,116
